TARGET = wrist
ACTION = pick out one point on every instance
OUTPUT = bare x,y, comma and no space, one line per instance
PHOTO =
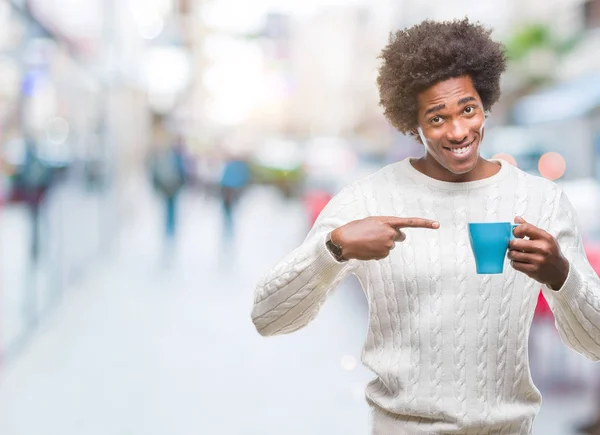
335,246
335,237
563,275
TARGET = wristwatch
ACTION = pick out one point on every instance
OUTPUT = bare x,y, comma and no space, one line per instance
335,250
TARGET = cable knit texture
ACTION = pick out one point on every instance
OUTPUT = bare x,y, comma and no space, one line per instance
448,347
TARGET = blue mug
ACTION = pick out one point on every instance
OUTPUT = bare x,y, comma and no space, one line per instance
489,242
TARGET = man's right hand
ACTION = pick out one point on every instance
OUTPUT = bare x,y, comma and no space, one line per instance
373,238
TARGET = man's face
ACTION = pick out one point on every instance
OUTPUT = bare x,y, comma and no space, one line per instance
451,120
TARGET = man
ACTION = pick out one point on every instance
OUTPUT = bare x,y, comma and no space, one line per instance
168,178
448,347
234,180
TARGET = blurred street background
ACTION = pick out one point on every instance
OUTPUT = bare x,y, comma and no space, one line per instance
158,156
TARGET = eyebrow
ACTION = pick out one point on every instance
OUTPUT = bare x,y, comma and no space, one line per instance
465,100
435,109
443,106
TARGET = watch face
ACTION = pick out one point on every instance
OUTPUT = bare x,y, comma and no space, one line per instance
334,249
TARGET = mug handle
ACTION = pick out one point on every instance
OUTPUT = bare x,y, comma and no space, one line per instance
512,228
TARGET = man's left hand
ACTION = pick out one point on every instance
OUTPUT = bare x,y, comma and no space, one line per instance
539,257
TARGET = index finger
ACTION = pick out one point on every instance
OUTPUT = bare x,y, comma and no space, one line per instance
412,222
530,231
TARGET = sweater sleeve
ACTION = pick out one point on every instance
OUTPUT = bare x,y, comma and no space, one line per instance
576,305
290,295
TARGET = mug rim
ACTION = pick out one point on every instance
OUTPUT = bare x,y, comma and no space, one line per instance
491,223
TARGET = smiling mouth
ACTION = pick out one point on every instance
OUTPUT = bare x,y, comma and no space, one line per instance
459,151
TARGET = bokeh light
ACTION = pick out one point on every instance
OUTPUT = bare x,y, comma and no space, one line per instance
151,27
552,166
57,130
348,362
507,158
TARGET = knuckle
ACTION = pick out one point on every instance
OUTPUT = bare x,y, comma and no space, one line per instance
546,252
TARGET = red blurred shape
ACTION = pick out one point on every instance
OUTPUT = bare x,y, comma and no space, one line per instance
315,201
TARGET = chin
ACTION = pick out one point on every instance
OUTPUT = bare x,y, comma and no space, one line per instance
462,168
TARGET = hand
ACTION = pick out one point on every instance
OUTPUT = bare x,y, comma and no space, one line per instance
374,237
539,257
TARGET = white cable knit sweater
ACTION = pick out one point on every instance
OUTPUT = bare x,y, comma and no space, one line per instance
448,347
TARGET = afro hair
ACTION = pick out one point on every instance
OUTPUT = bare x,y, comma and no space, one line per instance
431,52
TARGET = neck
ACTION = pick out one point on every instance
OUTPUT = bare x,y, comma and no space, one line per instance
430,167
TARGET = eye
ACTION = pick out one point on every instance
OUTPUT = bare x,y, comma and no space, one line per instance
436,120
469,110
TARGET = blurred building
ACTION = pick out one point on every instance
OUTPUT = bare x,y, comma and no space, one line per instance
561,114
75,92
334,66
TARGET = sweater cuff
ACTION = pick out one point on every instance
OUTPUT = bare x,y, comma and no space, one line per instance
325,263
571,288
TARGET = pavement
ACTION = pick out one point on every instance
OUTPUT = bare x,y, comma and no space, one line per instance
158,340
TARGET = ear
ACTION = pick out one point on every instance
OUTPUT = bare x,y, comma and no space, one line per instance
414,132
482,130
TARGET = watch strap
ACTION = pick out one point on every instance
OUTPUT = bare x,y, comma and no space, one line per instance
335,250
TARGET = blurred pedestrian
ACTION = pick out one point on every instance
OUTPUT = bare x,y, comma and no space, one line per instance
168,178
234,179
448,347
32,181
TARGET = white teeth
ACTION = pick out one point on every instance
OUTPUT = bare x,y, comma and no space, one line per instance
461,150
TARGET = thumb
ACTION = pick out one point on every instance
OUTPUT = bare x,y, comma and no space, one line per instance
520,220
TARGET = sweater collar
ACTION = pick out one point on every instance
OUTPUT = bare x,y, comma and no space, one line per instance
407,168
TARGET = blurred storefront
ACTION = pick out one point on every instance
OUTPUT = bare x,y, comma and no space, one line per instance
73,129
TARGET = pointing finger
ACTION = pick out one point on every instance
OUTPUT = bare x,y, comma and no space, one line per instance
412,223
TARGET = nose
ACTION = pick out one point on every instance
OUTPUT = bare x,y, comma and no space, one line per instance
458,132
